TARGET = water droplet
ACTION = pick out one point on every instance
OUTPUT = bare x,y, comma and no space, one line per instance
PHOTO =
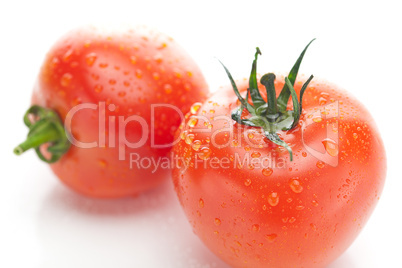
103,65
331,147
247,182
205,153
250,135
67,56
313,226
292,219
320,164
255,154
355,136
90,59
322,101
196,145
255,228
112,82
317,119
201,203
183,134
273,199
98,88
156,76
189,138
295,185
158,58
102,163
314,203
66,80
210,126
76,101
212,111
133,59
192,122
304,154
122,93
168,89
138,74
267,172
271,237
217,222
299,207
195,107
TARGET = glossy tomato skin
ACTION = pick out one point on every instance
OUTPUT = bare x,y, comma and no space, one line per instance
253,207
104,82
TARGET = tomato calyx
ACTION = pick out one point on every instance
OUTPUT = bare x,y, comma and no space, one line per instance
45,127
271,115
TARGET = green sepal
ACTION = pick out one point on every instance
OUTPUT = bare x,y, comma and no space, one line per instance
253,83
285,93
304,87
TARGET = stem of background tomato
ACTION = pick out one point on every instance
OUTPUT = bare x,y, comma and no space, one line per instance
47,133
47,128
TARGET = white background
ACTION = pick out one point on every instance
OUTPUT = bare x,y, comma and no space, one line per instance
43,224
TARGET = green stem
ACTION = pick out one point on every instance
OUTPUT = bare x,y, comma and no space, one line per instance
47,129
46,133
268,80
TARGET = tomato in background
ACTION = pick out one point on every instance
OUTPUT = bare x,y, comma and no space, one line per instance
120,95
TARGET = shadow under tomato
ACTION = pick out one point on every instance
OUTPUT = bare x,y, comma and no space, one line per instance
149,230
345,260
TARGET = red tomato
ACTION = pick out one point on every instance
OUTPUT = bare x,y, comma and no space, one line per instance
255,207
104,86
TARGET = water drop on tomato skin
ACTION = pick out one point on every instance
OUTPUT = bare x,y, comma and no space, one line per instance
317,119
320,164
295,185
66,80
196,145
271,237
195,107
98,88
168,89
217,221
90,59
205,153
255,228
247,182
183,134
189,138
267,172
273,199
192,122
331,147
201,203
102,163
255,154
122,94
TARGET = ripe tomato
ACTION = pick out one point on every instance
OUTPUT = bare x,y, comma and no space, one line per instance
297,199
120,96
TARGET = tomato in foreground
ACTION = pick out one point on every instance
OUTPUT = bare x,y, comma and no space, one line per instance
267,182
106,106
